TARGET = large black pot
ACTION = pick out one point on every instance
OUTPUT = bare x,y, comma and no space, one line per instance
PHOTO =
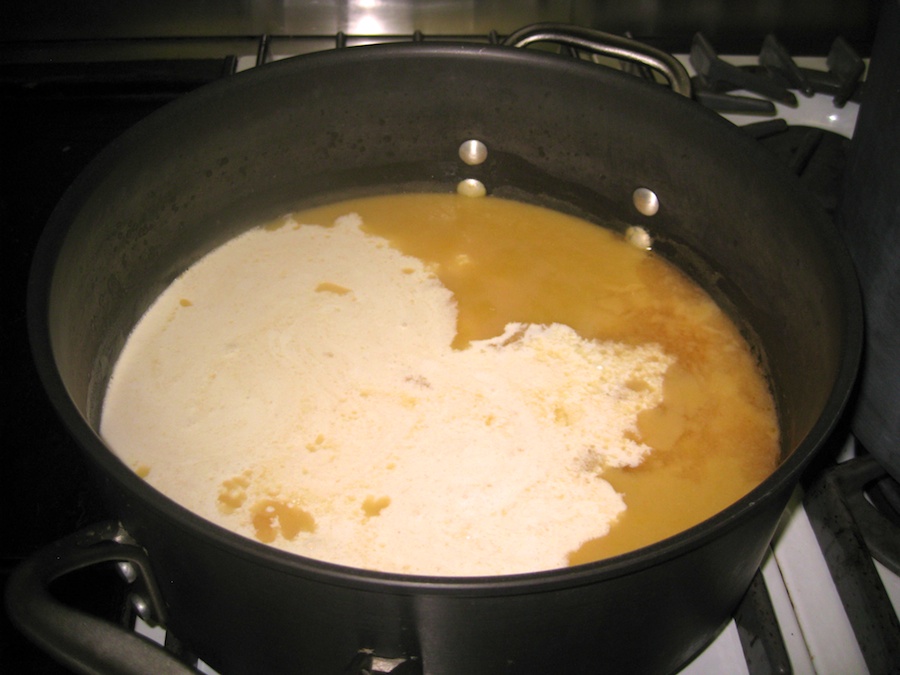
559,132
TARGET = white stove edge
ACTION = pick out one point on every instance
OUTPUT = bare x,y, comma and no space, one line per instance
814,111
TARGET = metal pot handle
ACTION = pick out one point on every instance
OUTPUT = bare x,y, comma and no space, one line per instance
609,45
79,641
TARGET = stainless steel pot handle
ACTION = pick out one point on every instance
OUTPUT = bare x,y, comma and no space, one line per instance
82,642
608,45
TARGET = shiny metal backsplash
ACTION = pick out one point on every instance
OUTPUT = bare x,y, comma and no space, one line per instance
738,25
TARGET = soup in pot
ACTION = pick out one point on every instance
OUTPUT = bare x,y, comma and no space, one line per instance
442,385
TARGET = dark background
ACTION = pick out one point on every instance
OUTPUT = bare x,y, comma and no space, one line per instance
804,26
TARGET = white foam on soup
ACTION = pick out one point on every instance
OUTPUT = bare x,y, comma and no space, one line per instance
298,385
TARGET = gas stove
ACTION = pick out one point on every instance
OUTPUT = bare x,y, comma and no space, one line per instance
827,596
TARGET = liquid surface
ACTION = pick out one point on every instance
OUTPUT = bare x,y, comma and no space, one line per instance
696,424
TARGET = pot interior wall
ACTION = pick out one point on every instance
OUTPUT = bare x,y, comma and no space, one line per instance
366,120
